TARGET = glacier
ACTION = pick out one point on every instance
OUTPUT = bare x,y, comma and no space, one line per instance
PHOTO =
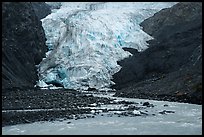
85,41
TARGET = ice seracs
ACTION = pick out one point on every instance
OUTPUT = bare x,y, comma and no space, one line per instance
85,41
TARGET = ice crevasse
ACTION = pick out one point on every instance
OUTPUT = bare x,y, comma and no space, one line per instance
85,41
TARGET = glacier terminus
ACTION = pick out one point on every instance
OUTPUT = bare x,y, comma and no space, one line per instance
85,41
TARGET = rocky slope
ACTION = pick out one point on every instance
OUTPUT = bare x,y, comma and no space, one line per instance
54,5
171,69
41,9
23,44
180,16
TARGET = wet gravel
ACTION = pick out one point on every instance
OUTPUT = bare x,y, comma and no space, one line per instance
31,105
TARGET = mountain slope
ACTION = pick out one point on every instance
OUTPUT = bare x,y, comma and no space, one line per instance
23,45
41,9
171,69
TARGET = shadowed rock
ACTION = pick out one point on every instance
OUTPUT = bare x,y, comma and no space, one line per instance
23,45
173,61
41,9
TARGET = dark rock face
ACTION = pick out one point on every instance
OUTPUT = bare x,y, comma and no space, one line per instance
54,5
173,63
41,9
23,45
180,16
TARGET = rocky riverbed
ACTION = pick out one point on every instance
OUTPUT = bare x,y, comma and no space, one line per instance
25,106
32,105
64,112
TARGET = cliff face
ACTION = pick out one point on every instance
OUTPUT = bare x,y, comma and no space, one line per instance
172,66
41,9
173,20
23,44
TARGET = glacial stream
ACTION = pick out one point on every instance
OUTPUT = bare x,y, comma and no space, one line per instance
85,41
163,118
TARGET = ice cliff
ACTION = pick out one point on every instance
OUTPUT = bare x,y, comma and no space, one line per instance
85,41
